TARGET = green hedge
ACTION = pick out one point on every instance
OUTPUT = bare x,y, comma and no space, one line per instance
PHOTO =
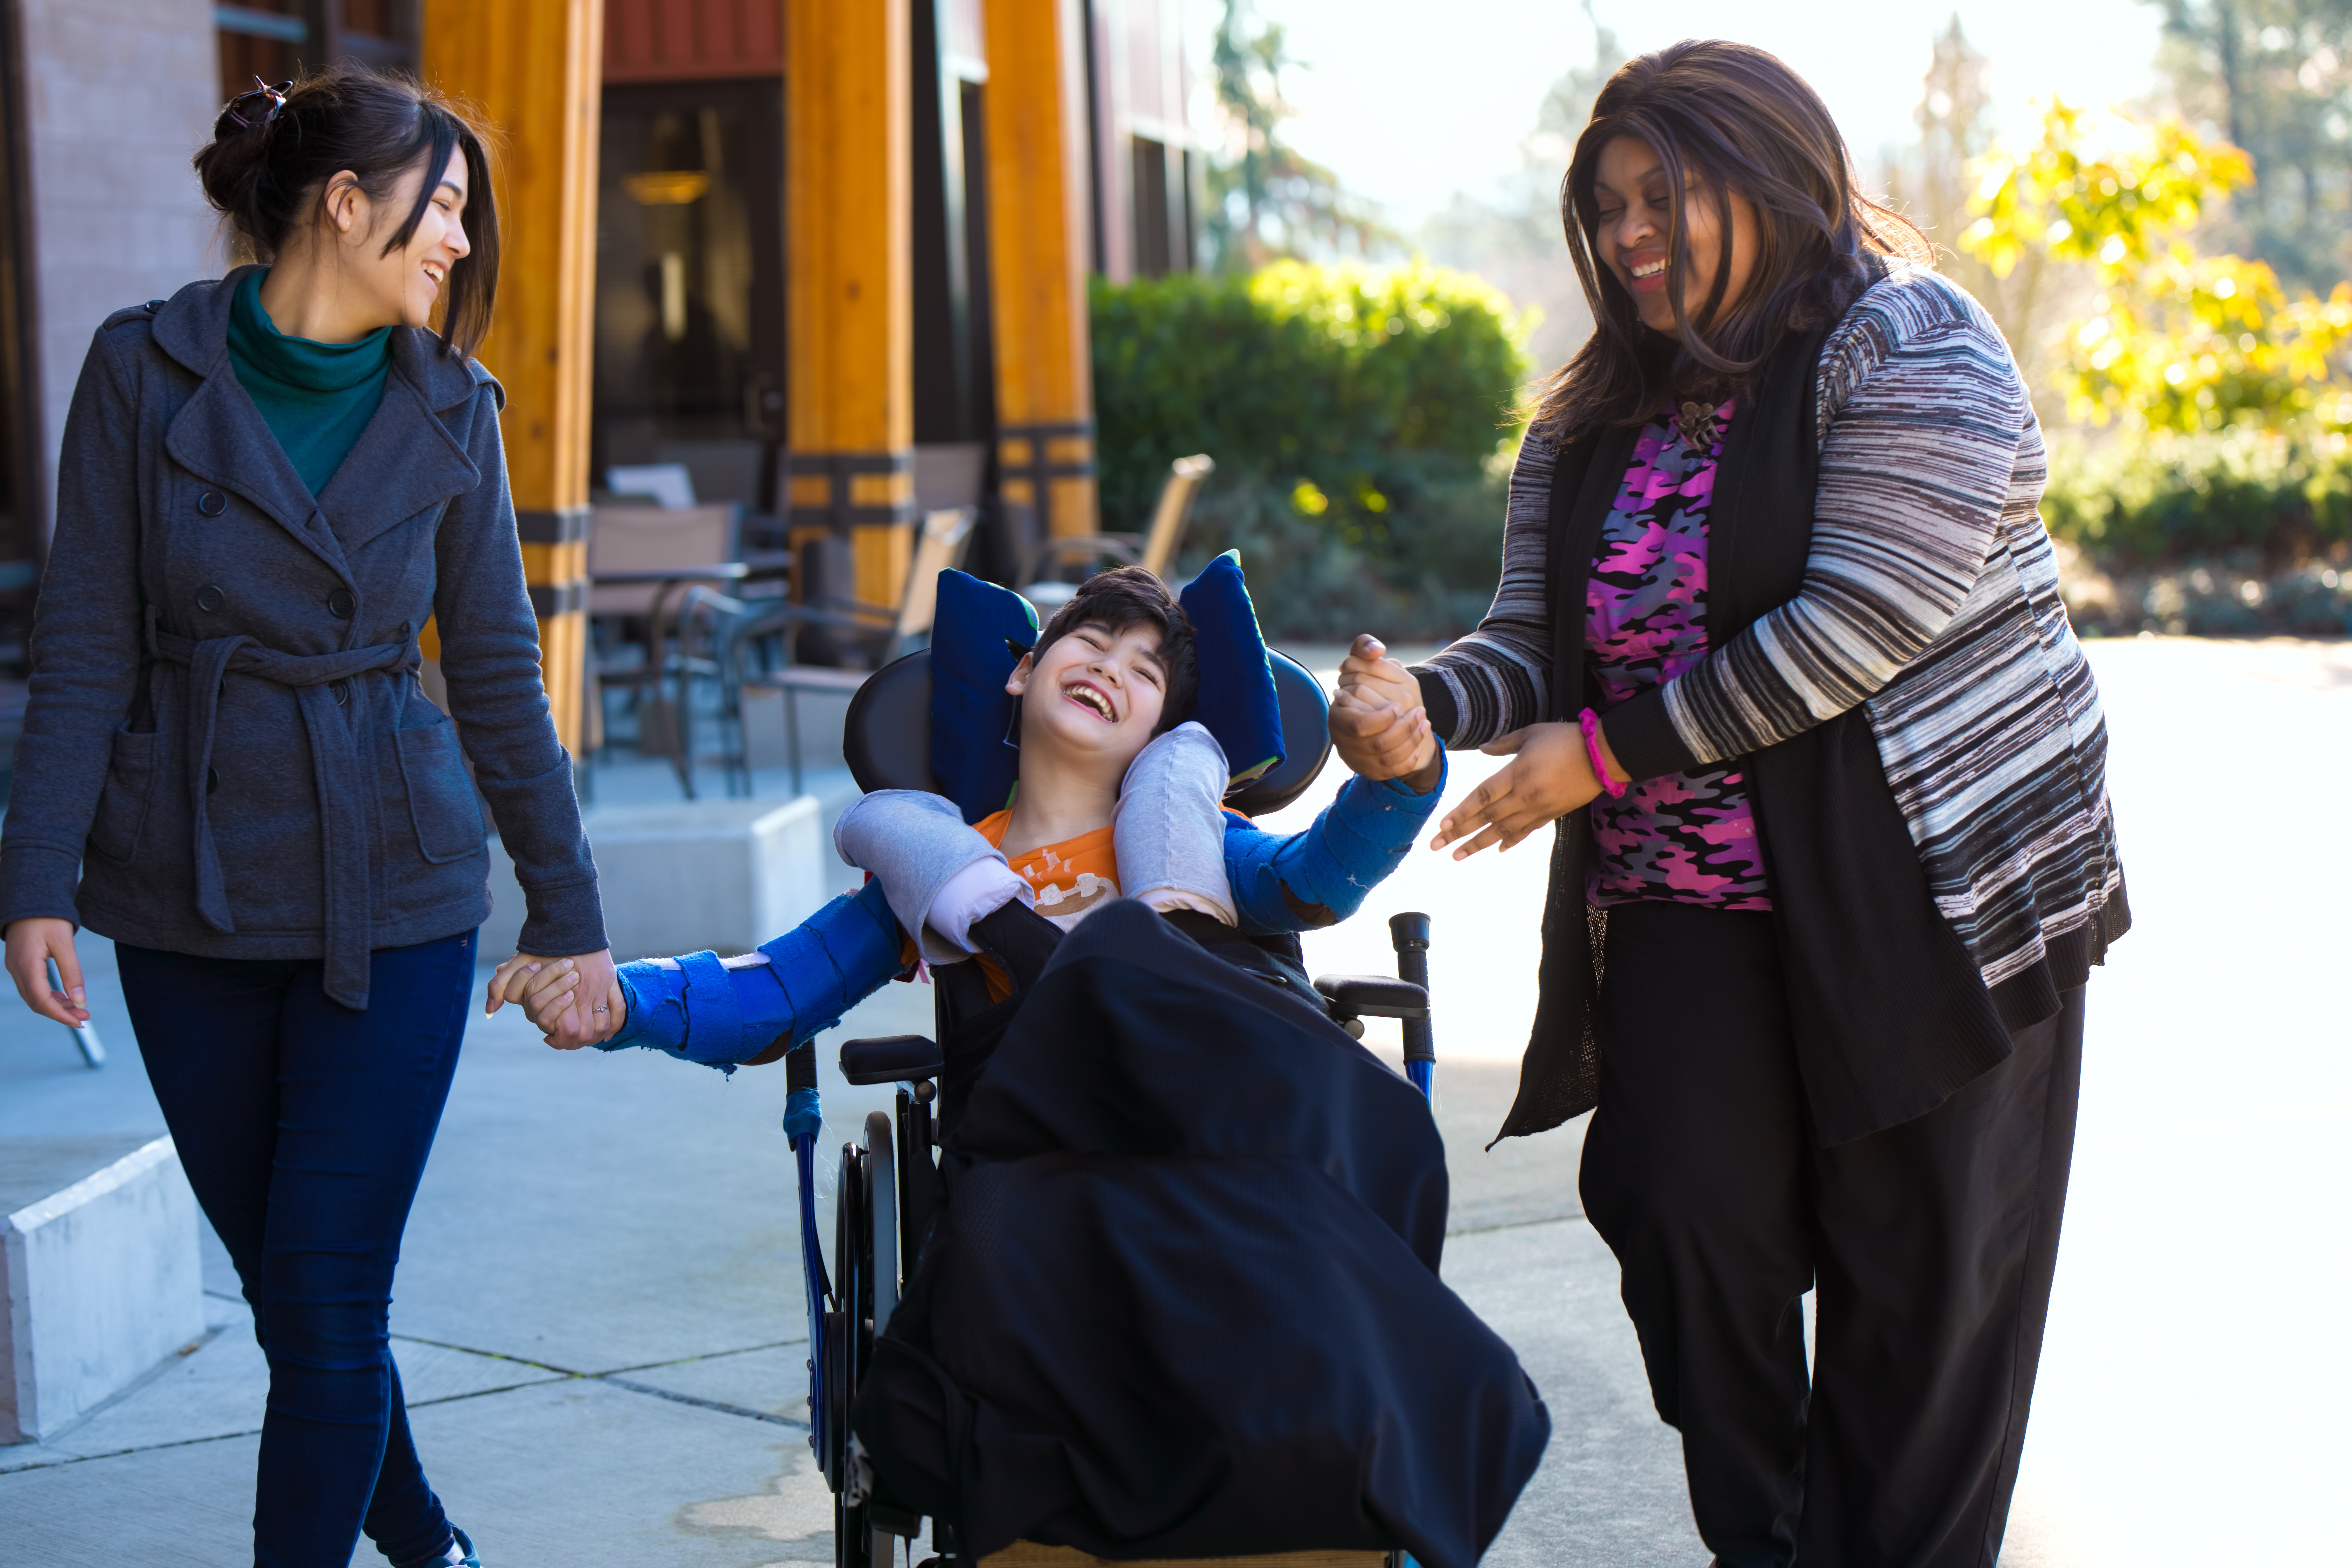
2163,501
1357,419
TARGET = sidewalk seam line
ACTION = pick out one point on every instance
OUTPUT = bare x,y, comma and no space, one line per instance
720,1405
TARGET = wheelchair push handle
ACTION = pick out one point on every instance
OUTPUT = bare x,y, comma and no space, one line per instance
1410,933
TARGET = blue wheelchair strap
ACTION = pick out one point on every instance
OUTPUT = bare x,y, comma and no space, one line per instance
714,1014
699,1009
836,959
803,1114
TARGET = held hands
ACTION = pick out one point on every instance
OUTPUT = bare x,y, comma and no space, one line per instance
1549,775
1378,724
31,944
574,1002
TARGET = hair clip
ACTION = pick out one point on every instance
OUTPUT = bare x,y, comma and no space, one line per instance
235,108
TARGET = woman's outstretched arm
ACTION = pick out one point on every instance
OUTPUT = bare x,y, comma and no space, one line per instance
1498,678
726,1012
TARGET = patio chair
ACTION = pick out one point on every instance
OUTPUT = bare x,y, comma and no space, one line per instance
874,634
640,560
1154,551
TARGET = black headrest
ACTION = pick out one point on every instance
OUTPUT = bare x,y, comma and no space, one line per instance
886,737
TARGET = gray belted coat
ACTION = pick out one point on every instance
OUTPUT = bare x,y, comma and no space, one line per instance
225,749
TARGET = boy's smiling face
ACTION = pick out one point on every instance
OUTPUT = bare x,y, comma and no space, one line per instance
1094,693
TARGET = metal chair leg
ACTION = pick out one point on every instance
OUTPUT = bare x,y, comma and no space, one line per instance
792,735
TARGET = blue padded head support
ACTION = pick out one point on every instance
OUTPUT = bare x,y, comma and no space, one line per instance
978,634
1237,702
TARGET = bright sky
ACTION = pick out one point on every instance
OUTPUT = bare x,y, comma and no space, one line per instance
1409,101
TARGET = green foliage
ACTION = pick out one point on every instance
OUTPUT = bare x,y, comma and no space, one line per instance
1356,419
2278,498
2176,340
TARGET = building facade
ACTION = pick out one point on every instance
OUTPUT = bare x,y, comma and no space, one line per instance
831,256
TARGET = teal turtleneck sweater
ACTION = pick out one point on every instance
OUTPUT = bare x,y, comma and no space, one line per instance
316,398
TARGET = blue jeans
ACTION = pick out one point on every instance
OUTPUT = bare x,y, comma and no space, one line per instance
304,1127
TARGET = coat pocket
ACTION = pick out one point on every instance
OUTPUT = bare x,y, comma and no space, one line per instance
130,786
441,802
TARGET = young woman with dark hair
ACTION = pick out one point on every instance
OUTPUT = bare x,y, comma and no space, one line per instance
268,483
1779,645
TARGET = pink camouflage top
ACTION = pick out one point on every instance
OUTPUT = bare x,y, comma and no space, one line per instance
1688,838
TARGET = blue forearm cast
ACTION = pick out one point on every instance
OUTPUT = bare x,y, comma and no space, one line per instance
1320,874
700,1009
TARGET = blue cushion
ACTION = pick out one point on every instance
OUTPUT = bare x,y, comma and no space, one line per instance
1237,702
978,634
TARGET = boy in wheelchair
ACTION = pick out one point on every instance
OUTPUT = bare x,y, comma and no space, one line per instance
1179,1295
1118,794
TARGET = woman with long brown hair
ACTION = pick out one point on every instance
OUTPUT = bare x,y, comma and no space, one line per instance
269,482
1778,647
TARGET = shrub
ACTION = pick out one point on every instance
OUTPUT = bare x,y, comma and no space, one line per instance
2162,499
1356,418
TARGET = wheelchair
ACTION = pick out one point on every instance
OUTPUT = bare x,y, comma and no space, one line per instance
884,1199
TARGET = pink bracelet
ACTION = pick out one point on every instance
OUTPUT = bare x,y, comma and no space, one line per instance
1591,724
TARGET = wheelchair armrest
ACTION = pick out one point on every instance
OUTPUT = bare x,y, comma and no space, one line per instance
1372,997
891,1058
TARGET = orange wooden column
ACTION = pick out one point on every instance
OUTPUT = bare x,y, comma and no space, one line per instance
849,280
1040,231
533,68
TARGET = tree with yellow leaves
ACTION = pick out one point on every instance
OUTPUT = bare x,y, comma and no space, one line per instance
2173,340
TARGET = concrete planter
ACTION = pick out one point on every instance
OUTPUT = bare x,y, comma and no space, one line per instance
99,1274
680,877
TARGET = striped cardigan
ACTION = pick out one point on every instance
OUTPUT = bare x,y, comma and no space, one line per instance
1930,599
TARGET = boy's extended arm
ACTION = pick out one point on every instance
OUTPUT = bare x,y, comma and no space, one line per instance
722,1011
1320,874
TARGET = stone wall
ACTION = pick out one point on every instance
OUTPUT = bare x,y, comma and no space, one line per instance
119,94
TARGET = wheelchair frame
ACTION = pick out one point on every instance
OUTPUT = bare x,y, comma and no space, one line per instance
883,1208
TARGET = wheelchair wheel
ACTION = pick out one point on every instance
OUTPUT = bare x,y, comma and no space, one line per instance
865,1286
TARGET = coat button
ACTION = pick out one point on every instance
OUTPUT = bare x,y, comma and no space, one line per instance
211,503
340,603
212,780
341,691
210,598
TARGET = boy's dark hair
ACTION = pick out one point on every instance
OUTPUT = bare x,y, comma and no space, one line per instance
270,156
1129,596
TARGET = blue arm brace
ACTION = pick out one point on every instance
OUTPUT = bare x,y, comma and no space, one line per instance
1320,874
699,1009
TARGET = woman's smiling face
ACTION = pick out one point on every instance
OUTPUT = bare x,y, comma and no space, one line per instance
1634,236
1099,692
398,287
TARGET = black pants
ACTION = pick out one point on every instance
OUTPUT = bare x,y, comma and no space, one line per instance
304,1128
1931,1245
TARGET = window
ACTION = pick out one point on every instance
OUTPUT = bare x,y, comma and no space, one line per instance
690,283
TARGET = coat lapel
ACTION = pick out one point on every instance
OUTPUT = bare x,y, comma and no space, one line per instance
219,436
405,462
406,459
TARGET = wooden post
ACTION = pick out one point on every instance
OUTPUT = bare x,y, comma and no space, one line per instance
1040,241
849,275
533,68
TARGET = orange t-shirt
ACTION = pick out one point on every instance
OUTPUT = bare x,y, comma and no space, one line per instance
1069,878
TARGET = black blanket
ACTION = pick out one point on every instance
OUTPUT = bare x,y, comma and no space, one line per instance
1182,1300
